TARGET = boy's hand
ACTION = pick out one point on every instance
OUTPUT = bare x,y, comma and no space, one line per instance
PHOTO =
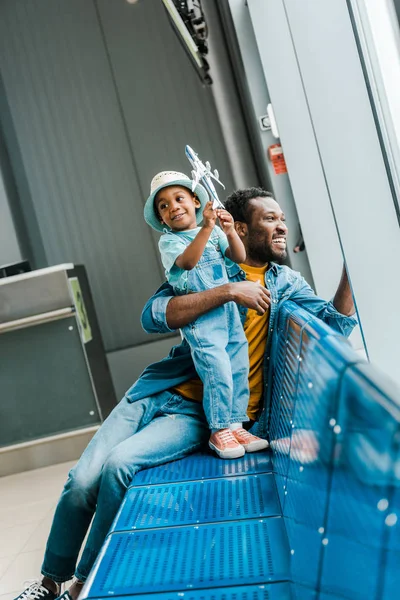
209,216
226,221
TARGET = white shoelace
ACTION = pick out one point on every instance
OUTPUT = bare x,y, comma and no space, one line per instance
244,433
226,437
34,591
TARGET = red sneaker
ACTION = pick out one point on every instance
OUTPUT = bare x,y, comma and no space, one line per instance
250,442
225,444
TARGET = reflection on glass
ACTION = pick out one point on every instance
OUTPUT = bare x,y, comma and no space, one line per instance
376,27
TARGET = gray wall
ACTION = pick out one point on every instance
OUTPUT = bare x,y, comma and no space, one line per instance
397,7
334,157
99,97
9,247
127,365
10,250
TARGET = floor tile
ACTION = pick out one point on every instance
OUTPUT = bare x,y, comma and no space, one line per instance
4,564
37,540
10,595
13,539
39,485
31,512
24,566
27,504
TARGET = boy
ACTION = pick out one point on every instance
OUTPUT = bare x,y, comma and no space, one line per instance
195,259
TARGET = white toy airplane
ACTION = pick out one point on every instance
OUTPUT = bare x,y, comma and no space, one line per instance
203,172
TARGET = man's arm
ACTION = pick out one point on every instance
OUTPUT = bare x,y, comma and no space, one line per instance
165,313
343,299
182,310
328,312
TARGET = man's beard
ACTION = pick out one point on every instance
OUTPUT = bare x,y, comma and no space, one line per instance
262,253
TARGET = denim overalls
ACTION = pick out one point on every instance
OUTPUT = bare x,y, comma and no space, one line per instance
218,345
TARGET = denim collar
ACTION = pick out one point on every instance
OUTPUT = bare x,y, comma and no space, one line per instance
235,269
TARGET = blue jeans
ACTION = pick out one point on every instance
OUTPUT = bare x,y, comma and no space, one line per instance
219,348
136,435
220,355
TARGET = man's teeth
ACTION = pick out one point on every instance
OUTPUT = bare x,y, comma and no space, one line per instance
279,241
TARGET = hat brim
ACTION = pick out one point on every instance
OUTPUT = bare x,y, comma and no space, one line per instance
150,214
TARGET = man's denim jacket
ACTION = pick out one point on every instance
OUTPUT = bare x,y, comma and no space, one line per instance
282,282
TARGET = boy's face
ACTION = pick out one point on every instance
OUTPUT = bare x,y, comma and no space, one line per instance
176,207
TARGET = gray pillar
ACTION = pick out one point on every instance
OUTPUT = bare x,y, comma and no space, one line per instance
227,103
9,247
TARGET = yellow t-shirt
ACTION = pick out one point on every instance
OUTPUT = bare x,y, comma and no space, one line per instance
256,330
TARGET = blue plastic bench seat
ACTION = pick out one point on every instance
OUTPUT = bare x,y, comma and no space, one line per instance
272,591
192,502
320,521
198,556
205,465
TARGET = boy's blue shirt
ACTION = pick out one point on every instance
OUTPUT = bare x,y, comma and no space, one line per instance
173,244
283,284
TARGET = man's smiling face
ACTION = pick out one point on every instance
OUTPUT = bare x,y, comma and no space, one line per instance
266,235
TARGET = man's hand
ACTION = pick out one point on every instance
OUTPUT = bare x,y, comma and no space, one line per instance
182,310
209,216
251,295
226,221
343,300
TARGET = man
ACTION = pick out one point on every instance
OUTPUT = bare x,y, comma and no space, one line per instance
161,417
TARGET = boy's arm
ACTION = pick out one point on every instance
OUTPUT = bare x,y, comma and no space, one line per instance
236,250
192,254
